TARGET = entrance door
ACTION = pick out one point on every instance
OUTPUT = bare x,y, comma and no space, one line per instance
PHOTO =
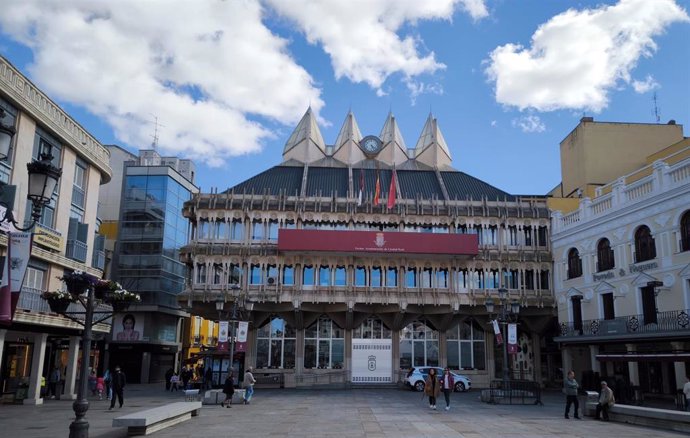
648,305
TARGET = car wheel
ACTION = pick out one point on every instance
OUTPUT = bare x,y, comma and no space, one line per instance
419,386
459,387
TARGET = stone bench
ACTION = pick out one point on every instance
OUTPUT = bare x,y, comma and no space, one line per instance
216,396
642,416
154,419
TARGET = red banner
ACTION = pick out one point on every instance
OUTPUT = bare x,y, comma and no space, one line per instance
377,242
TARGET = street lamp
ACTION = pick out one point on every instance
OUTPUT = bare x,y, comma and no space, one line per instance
240,306
506,313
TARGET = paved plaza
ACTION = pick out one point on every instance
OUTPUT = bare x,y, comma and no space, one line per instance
330,413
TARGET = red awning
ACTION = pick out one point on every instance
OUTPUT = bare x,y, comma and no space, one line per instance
644,357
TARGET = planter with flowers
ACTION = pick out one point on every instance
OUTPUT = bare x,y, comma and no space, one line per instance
58,300
121,299
102,288
78,282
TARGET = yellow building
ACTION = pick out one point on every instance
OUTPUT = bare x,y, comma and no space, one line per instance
200,339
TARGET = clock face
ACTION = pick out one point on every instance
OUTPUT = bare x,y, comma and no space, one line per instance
371,144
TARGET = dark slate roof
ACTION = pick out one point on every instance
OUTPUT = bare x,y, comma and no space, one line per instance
463,186
327,181
277,179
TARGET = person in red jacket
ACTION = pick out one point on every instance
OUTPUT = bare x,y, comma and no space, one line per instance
448,385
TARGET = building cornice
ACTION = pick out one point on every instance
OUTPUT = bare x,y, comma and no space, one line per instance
33,101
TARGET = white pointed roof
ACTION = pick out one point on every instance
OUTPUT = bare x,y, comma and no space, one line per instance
349,132
306,142
431,148
391,133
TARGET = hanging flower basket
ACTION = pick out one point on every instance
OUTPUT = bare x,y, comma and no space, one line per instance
58,301
121,299
102,288
77,282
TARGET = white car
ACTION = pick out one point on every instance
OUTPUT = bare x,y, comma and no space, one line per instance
416,376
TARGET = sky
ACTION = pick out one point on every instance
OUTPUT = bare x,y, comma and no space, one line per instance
224,83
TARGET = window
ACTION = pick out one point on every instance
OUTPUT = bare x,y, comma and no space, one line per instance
272,272
234,273
255,274
392,277
340,276
372,328
542,236
288,275
427,276
289,224
493,280
605,260
34,278
217,273
376,278
645,249
418,346
10,119
79,187
510,278
324,276
512,235
360,276
462,279
490,235
544,279
257,230
442,278
528,236
576,302
324,345
273,230
201,273
411,277
308,276
529,279
648,305
685,232
237,230
574,264
466,347
607,304
275,345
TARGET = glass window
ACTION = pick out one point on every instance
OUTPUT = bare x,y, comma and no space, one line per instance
574,263
275,342
411,277
645,247
466,347
392,277
234,273
255,274
427,275
257,230
376,277
288,276
324,276
442,278
201,273
273,230
340,276
360,276
237,229
324,345
418,346
372,328
308,276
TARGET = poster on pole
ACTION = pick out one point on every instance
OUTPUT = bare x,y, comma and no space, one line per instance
497,332
512,339
242,330
223,331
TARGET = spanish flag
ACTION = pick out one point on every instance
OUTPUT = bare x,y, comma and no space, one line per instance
377,193
391,191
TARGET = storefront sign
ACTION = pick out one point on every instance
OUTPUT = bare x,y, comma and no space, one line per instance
48,238
377,242
607,276
643,267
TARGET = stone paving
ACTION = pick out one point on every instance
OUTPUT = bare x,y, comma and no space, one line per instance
326,413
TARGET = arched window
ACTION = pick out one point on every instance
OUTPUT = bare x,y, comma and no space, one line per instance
605,259
645,249
275,345
372,328
418,346
465,346
685,231
324,345
574,264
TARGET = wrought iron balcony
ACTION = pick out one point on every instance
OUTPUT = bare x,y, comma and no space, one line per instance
627,326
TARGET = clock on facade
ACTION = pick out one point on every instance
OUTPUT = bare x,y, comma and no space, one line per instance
371,144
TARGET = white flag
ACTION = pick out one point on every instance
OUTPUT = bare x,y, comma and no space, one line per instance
242,331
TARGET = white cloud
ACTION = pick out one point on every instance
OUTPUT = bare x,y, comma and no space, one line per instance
578,56
361,36
529,124
417,88
494,123
648,84
205,69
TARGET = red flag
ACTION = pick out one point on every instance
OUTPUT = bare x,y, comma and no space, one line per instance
391,191
377,193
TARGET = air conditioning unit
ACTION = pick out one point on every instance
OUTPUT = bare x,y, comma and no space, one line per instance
271,281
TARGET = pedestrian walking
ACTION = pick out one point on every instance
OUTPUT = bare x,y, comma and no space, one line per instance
248,384
448,385
686,391
93,380
186,375
118,381
570,387
208,378
174,382
100,387
228,390
606,400
107,379
53,381
432,387
168,376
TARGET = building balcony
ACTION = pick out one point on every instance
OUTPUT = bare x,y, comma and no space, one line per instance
30,300
98,260
76,250
669,323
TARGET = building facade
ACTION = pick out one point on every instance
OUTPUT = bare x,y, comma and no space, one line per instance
66,238
143,219
622,269
355,262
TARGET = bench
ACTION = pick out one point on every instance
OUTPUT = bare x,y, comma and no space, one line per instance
154,419
642,416
215,396
191,395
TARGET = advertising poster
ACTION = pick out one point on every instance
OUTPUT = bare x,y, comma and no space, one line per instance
242,330
127,327
512,339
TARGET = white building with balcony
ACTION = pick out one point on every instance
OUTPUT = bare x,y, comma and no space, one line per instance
622,278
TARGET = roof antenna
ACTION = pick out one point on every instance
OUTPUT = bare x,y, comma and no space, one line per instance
657,117
154,143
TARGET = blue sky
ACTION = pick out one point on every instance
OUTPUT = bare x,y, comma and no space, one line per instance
507,80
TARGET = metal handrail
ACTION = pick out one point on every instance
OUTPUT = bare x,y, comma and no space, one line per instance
667,321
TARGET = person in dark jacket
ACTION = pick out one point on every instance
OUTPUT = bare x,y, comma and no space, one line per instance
570,387
447,385
432,387
118,384
228,390
168,375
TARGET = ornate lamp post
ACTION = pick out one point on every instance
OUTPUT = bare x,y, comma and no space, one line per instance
505,313
239,307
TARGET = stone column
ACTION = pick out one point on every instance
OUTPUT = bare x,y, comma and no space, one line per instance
348,355
490,359
442,350
593,351
145,366
70,391
678,367
536,350
299,352
39,350
395,351
633,369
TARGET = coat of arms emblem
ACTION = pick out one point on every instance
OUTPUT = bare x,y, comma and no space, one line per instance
372,363
380,241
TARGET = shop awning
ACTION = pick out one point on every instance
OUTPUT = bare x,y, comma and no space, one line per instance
644,357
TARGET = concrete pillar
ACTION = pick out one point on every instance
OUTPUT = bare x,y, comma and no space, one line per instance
595,365
678,367
299,352
536,350
70,391
348,354
395,351
442,350
490,359
39,350
145,366
633,369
